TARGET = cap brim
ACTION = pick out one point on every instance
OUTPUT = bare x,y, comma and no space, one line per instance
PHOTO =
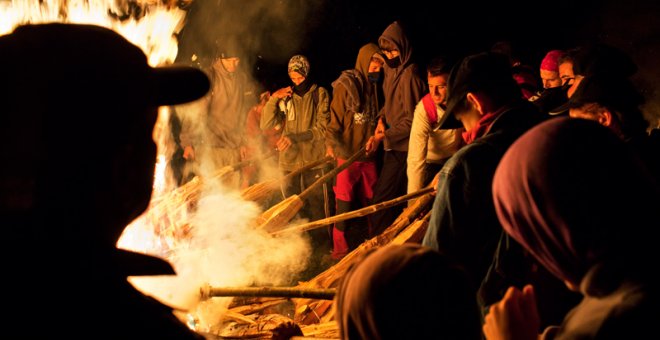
179,84
562,109
448,120
136,264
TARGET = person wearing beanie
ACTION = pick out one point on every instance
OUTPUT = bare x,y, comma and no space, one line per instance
553,93
303,109
550,69
597,59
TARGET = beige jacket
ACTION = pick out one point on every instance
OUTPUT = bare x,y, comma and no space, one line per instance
427,145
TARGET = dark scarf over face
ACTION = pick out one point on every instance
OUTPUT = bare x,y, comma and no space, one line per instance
394,62
572,193
303,87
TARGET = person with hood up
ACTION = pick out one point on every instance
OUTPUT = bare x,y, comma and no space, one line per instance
353,113
403,89
576,197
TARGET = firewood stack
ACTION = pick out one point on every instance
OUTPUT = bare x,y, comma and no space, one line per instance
170,213
315,317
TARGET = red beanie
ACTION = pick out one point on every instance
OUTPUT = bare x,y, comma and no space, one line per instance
550,62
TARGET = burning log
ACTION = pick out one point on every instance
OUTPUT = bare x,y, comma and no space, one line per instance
406,228
227,170
316,317
329,277
318,311
269,326
169,214
321,331
280,214
355,213
260,192
258,307
286,292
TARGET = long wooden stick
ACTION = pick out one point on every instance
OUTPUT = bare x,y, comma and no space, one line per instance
236,166
355,213
280,214
307,167
287,292
263,190
332,173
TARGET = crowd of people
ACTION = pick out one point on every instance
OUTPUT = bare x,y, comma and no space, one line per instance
546,197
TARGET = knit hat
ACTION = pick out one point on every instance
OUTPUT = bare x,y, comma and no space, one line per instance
300,64
550,61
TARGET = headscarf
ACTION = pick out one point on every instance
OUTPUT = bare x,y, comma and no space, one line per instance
406,292
299,63
570,191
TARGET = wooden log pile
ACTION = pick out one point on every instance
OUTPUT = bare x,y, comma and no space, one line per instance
314,316
306,310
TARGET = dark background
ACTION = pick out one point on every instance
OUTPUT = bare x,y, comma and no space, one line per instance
330,33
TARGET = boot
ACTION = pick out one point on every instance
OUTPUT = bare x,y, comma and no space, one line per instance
339,244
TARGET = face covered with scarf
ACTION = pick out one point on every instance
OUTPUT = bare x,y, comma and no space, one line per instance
298,69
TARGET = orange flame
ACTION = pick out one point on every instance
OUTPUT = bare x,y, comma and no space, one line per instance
154,32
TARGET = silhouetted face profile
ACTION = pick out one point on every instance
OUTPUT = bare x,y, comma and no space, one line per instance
80,105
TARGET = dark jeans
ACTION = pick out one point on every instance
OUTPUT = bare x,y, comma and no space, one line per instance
314,205
392,183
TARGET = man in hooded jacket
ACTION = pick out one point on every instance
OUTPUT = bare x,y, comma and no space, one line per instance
403,88
353,114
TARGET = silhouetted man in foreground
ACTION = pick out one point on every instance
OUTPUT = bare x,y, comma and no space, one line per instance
79,104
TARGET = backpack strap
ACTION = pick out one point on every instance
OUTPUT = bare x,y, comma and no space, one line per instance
431,110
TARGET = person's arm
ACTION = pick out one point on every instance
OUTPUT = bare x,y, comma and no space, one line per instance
463,217
335,128
411,94
417,149
378,136
191,115
269,116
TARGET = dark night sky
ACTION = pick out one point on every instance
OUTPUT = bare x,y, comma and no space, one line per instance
330,32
